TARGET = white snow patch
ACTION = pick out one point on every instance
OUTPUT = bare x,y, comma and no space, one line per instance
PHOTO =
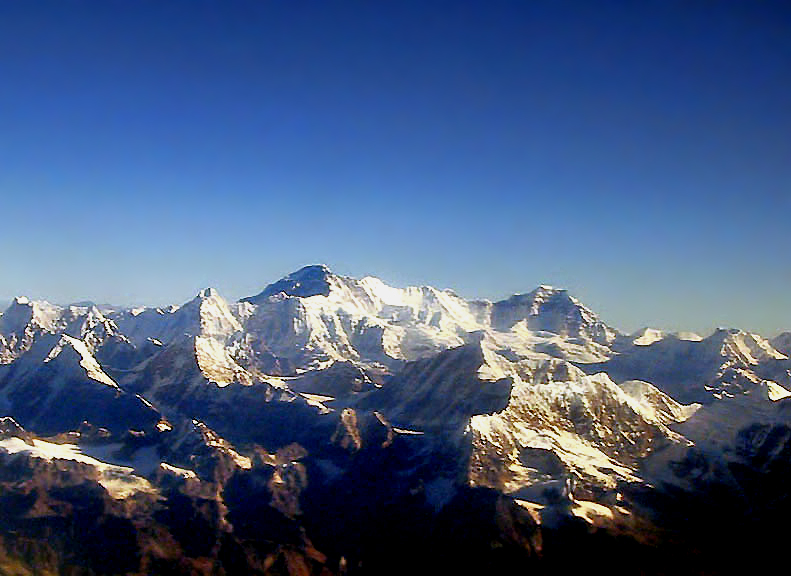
216,364
317,401
775,391
164,426
180,472
648,336
408,432
688,336
591,512
119,481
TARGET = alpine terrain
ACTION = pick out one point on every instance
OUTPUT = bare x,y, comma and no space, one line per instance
333,425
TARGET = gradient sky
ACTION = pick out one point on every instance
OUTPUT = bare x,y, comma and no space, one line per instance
637,153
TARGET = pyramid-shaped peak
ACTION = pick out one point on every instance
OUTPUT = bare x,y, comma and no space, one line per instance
539,295
313,280
206,296
73,352
747,346
550,309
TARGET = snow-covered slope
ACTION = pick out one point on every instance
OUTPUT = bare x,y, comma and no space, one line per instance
562,424
314,317
444,391
207,315
501,370
646,336
548,309
317,317
745,347
22,322
532,424
726,363
26,320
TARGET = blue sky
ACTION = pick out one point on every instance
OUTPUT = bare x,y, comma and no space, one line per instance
637,153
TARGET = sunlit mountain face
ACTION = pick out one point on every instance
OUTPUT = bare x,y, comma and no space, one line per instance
335,425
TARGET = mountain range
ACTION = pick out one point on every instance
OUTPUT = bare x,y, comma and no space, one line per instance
333,425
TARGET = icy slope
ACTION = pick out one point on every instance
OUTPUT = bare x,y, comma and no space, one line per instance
562,424
314,317
726,363
207,315
533,424
23,322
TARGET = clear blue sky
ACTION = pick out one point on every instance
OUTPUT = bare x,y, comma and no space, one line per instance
638,153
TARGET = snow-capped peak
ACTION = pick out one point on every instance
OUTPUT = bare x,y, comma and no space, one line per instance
24,312
206,315
549,309
215,317
646,336
89,324
208,293
547,290
313,316
308,281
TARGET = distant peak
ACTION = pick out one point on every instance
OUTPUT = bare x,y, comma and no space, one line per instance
22,301
547,290
647,336
725,331
312,270
688,336
308,281
543,292
208,293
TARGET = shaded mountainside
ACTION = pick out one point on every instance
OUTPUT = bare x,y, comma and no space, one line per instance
332,425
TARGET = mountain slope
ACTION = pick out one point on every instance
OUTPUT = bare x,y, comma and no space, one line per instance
313,317
726,363
334,425
58,384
